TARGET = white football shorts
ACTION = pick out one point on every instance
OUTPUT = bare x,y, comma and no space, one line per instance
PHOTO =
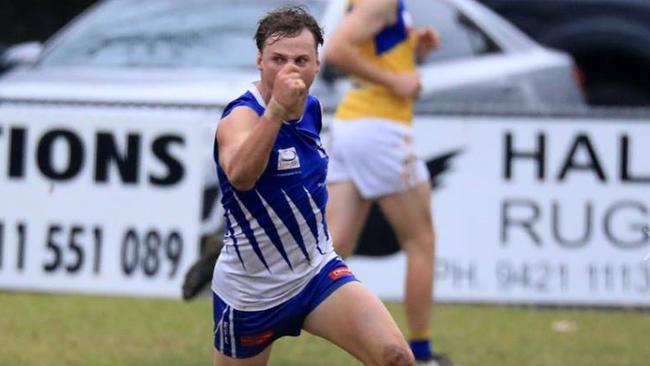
377,155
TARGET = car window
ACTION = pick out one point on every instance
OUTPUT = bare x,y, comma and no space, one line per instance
460,37
166,33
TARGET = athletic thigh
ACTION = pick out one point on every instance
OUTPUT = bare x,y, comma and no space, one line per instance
346,214
409,213
356,320
258,360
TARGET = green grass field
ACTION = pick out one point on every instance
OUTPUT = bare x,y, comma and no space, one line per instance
79,330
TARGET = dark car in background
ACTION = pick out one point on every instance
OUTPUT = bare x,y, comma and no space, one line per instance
3,47
608,39
34,20
157,45
482,60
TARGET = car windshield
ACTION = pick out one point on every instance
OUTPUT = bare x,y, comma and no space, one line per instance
167,33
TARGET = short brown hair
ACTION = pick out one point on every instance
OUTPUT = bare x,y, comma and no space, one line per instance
287,22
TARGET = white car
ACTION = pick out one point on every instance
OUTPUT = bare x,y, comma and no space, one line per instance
482,60
201,53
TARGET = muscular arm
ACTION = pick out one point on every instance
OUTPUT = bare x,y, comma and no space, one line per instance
366,20
245,140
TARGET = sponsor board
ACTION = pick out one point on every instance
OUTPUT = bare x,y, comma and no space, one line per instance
100,201
526,210
529,210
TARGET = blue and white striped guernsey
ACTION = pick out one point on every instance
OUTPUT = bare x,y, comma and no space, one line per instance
276,238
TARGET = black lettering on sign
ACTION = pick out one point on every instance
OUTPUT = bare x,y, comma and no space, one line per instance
21,234
592,164
174,251
460,275
638,228
611,277
525,221
175,170
536,154
54,247
625,164
582,156
73,243
127,162
130,252
75,153
76,249
60,155
22,241
98,249
151,259
582,239
149,251
17,137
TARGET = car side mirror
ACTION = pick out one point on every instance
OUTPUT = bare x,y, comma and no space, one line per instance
22,54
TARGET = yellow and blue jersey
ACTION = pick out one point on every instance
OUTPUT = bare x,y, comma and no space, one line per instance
393,48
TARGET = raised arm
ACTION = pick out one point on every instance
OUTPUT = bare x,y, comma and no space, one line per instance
366,20
245,140
362,24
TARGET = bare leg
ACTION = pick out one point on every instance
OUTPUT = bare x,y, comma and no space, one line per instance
356,320
346,214
258,360
409,213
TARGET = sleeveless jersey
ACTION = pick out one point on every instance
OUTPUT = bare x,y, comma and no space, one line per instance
276,238
393,48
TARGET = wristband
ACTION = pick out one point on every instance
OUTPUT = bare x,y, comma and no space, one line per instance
276,110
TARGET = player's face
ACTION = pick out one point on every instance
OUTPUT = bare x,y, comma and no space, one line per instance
299,50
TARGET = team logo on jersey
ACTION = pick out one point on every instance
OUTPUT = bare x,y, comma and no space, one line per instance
288,159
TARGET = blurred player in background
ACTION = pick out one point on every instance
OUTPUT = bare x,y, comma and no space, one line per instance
277,272
372,157
199,274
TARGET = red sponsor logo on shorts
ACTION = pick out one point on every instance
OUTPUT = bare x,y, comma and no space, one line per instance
339,272
257,339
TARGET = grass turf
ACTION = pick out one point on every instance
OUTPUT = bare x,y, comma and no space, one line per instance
37,329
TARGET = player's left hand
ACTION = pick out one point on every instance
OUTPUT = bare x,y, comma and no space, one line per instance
428,40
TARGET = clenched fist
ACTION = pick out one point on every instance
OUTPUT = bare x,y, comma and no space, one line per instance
428,40
290,92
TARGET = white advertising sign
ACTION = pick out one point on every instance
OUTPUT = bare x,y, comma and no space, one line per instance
100,201
534,211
